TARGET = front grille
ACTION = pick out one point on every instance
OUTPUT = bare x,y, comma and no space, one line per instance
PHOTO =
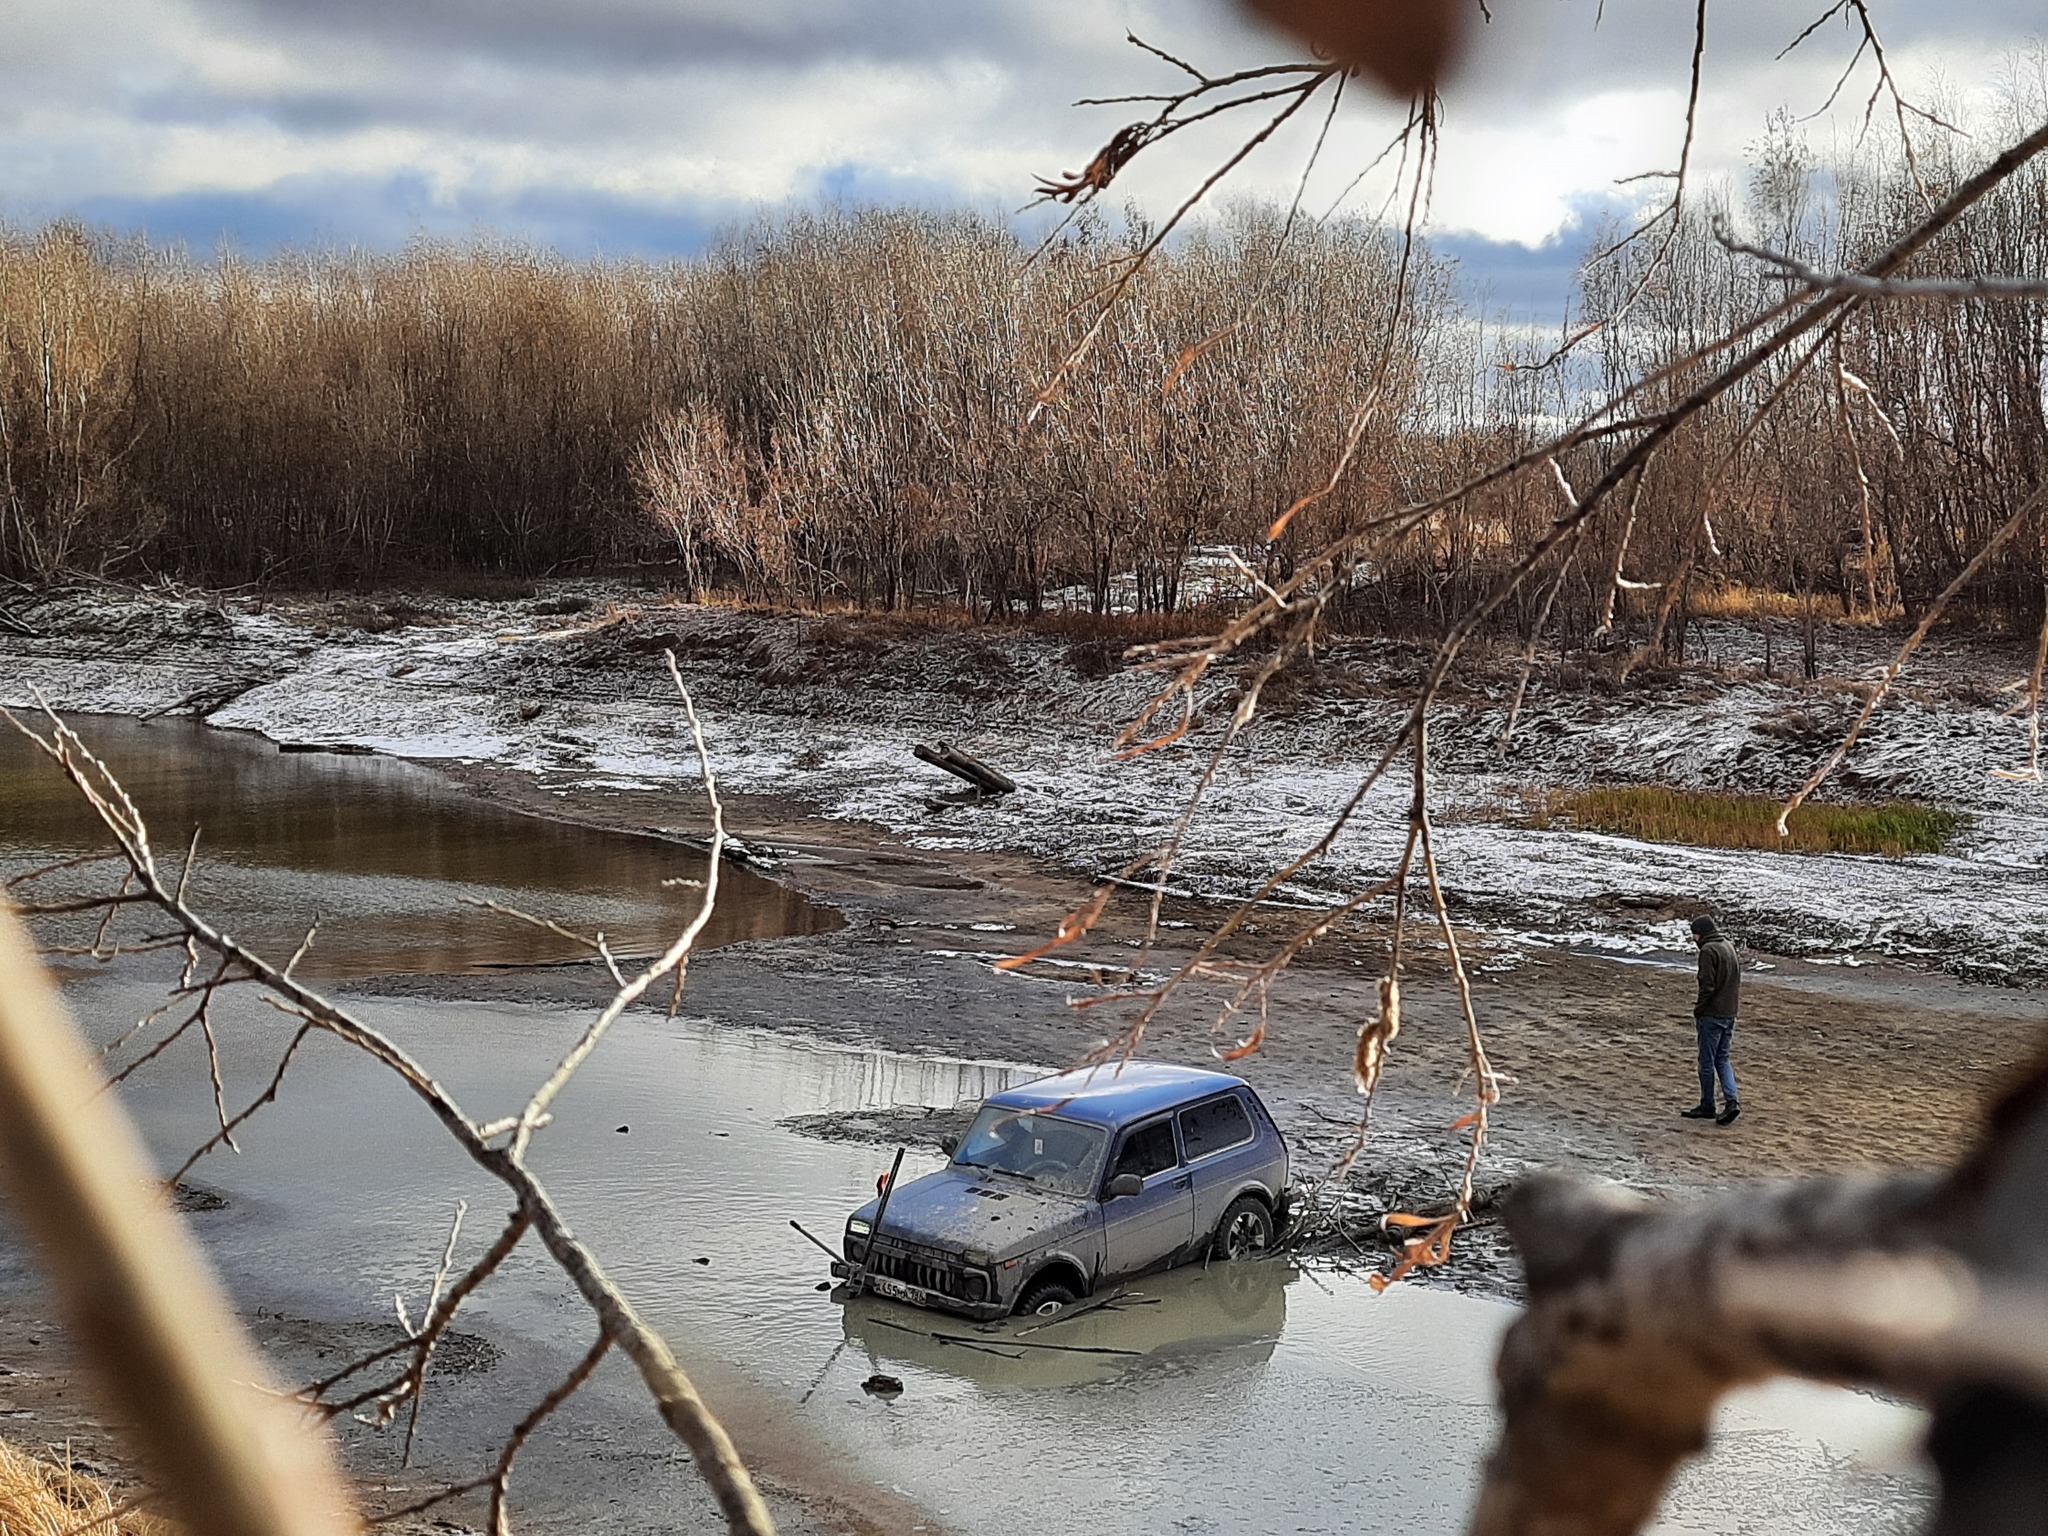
921,1267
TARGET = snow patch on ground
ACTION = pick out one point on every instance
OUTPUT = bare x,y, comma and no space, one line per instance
828,716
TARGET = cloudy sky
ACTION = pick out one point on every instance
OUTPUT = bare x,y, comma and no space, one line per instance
642,126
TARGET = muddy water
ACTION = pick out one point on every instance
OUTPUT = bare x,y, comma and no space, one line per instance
403,857
1244,1399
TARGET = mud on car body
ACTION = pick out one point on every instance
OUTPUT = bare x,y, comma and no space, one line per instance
1073,1180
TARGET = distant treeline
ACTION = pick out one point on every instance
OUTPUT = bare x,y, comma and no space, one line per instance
837,409
824,408
1870,464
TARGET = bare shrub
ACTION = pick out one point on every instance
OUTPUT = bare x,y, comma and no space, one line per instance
843,410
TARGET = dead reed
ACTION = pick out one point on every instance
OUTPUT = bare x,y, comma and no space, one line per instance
826,410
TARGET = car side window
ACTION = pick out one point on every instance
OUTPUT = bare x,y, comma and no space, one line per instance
1148,1150
1215,1126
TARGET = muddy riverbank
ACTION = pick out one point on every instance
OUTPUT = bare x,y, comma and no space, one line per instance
567,687
559,706
1844,1065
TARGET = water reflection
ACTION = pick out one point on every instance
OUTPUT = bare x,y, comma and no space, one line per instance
871,1079
397,846
1153,1323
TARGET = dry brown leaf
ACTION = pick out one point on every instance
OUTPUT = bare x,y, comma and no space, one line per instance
1101,171
1072,927
1280,523
1156,742
1405,45
1427,1251
1244,1047
1192,353
1375,1035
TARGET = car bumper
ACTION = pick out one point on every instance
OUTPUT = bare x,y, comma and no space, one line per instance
914,1295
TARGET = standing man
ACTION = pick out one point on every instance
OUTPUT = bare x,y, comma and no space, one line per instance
1713,1016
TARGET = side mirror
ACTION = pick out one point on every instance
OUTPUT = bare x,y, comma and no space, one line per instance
1125,1184
949,1145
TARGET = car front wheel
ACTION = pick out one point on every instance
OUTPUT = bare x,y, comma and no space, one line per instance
1045,1297
1246,1230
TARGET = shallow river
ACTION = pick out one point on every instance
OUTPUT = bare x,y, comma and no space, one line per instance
1252,1399
403,857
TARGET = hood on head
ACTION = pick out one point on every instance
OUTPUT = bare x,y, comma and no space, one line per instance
1705,928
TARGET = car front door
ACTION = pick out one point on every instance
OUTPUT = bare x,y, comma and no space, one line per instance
1159,1221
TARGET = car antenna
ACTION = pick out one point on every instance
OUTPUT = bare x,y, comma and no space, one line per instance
859,1277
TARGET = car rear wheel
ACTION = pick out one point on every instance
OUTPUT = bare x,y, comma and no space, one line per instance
1043,1298
1246,1230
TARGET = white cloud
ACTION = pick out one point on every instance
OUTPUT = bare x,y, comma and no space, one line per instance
731,103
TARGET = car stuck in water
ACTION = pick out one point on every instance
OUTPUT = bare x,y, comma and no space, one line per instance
1076,1179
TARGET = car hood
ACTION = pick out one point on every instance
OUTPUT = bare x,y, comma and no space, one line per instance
961,1209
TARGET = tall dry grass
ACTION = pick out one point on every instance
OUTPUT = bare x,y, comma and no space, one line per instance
823,408
43,1498
317,418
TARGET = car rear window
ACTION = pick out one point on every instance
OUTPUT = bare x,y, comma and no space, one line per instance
1214,1126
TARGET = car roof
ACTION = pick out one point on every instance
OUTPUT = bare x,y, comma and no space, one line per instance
1113,1095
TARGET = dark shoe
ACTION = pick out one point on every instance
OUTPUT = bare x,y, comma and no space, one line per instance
1698,1112
1727,1116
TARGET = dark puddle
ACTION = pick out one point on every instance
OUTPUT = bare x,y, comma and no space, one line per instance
402,855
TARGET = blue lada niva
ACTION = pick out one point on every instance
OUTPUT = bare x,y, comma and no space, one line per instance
1073,1180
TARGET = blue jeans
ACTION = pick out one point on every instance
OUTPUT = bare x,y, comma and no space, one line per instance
1715,1037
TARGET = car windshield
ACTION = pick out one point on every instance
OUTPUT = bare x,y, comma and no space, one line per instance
1062,1155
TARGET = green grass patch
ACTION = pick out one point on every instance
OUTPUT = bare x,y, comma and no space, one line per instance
1702,820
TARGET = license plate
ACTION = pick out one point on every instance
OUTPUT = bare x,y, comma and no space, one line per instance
896,1290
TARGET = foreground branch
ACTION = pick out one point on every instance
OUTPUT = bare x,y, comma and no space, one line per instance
1932,1287
1863,286
675,1396
139,1298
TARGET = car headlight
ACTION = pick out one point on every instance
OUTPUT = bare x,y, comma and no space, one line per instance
860,1228
975,1284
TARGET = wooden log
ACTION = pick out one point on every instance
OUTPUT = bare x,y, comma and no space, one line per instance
995,782
925,754
979,775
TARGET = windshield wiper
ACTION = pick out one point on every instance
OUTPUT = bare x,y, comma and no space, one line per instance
1012,1172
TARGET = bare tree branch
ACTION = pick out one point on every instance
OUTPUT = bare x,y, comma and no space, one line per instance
1861,285
153,1323
675,1396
